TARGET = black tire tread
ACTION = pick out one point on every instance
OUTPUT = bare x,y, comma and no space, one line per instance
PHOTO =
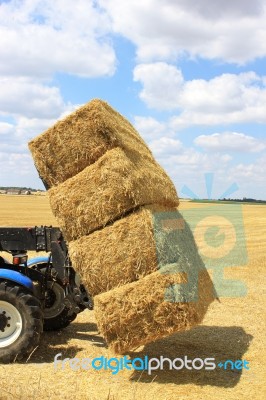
26,343
59,322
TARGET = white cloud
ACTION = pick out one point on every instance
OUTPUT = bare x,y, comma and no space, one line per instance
225,99
186,166
188,158
230,141
27,128
151,129
213,10
233,31
28,97
165,146
38,39
201,95
5,128
253,172
189,166
162,84
250,177
41,37
14,165
23,129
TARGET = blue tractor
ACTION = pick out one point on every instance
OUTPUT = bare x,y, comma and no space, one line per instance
44,293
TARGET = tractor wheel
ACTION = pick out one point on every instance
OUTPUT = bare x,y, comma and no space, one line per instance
21,322
55,311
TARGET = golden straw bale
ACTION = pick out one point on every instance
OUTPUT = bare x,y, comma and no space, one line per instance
117,254
141,312
105,191
174,298
131,248
82,138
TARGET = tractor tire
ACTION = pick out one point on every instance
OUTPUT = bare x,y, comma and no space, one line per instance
56,313
59,322
21,322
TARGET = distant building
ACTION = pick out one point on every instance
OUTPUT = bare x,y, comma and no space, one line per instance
2,191
13,191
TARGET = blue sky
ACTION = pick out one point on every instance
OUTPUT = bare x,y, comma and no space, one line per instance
190,75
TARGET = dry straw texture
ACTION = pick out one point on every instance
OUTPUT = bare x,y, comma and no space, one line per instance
149,309
114,185
81,139
130,248
117,254
157,305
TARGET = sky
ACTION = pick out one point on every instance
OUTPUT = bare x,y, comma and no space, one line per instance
190,75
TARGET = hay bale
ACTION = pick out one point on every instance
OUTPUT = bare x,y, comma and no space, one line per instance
174,298
103,192
82,138
112,257
150,309
131,248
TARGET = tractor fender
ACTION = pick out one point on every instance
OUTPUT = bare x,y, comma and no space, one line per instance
38,260
14,276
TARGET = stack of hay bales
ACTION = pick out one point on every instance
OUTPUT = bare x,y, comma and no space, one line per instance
108,189
81,139
98,169
110,196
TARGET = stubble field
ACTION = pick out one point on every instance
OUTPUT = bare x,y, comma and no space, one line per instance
233,328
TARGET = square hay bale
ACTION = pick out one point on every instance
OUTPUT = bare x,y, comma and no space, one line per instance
131,248
120,253
82,138
152,308
105,191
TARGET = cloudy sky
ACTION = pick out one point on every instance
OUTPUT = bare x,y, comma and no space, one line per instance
189,74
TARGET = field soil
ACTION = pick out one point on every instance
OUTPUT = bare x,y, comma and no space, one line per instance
233,328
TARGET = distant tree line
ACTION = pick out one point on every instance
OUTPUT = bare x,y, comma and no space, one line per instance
20,188
244,200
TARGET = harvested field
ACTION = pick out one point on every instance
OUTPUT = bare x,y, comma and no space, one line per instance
81,139
232,329
107,190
